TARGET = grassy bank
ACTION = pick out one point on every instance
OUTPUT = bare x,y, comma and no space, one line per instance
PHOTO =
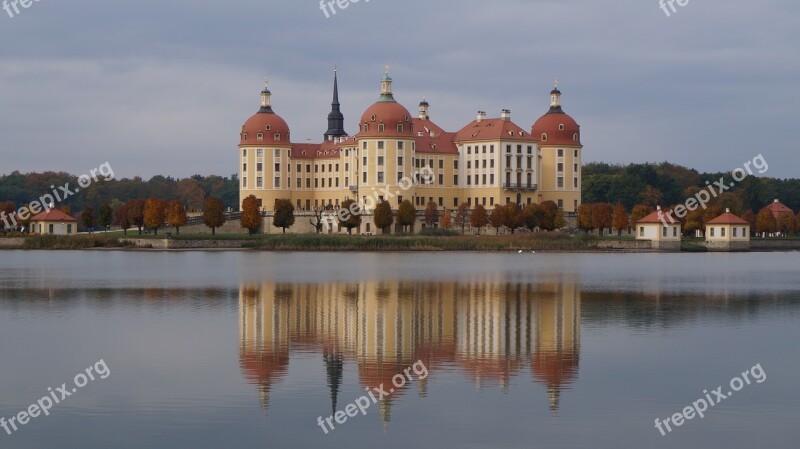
71,242
525,242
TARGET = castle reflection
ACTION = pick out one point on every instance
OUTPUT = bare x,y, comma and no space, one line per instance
488,329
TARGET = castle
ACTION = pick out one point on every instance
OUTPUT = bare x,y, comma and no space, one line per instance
490,161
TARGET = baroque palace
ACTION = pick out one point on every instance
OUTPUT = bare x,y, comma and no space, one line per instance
489,161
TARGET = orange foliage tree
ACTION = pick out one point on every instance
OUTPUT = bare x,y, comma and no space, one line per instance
479,218
620,218
176,215
213,214
251,218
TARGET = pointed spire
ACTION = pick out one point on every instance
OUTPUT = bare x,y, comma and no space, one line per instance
335,118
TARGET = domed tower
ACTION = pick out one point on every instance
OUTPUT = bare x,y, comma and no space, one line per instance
265,150
560,142
386,144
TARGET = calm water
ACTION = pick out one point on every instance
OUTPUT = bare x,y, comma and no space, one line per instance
240,349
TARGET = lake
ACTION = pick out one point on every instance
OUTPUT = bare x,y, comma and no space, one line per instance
255,349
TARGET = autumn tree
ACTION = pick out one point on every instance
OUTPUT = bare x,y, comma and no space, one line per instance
765,222
105,216
383,217
176,215
602,216
585,217
551,216
136,213
407,215
87,218
531,216
251,217
512,217
431,214
640,211
66,209
190,193
446,221
462,216
497,218
154,214
786,224
349,216
121,218
213,213
479,218
620,218
750,217
284,214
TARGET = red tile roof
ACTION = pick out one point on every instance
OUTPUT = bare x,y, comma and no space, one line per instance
777,208
657,216
53,215
493,129
432,139
728,218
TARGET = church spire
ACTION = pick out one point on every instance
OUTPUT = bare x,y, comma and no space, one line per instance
335,118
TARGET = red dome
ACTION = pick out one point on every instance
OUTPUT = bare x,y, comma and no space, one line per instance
390,114
268,124
560,129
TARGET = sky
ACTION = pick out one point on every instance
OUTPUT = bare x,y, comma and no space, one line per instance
163,87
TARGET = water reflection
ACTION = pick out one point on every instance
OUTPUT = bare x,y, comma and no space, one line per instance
488,329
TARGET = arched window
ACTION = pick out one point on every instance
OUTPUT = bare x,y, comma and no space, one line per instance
544,137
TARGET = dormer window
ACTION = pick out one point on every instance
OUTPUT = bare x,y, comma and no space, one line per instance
544,137
366,127
244,136
381,127
277,137
399,127
260,137
575,137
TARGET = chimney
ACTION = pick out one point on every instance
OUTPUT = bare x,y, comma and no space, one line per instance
481,116
506,114
727,210
658,207
777,201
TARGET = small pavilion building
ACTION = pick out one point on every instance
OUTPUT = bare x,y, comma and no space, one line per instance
54,222
728,232
661,229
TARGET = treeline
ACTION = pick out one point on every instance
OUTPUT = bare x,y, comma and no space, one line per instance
665,184
20,189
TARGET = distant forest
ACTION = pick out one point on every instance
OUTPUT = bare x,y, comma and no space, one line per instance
667,184
662,184
21,189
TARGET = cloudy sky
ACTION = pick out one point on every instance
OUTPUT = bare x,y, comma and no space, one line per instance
163,87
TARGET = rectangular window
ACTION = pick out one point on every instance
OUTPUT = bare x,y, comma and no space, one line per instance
469,164
530,149
316,168
277,153
380,161
469,150
380,177
469,201
455,202
365,161
441,164
491,149
441,201
469,180
560,204
399,177
519,149
69,229
560,182
308,183
365,177
277,182
574,183
491,201
641,231
400,145
299,168
455,180
260,152
260,182
735,232
484,163
575,154
575,168
675,231
484,179
50,228
316,183
722,232
399,161
491,163
244,182
277,168
664,231
244,167
530,163
299,183
244,152
484,149
455,164
508,148
308,168
712,232
560,167
381,144
560,153
491,179
441,180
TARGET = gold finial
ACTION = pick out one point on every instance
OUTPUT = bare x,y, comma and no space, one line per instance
556,83
334,68
266,82
387,69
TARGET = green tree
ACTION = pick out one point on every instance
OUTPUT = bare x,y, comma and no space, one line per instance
213,213
349,216
407,215
383,217
251,217
105,216
284,214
